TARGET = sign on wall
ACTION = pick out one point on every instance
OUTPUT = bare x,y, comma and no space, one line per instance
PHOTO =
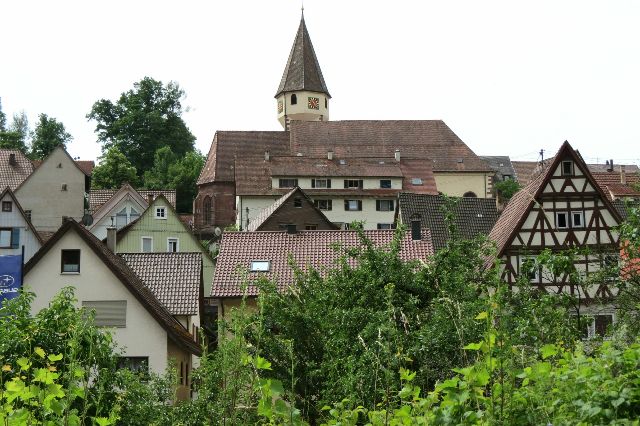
10,276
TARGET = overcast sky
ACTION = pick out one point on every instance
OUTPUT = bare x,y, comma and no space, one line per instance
509,77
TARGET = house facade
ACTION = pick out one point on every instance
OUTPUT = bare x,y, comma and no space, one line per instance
561,208
103,282
124,207
16,230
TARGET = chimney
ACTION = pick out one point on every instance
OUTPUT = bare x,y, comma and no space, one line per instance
623,175
397,155
12,159
416,230
499,204
111,239
266,156
291,228
329,155
610,165
149,198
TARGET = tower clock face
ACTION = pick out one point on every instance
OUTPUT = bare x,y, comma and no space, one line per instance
314,103
280,107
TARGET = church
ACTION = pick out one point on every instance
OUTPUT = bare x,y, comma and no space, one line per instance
353,170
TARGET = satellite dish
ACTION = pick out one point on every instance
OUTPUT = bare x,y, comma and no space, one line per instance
217,231
87,219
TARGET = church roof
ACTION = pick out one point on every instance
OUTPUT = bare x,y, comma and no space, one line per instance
303,70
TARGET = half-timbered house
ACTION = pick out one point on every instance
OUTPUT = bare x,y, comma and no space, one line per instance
561,208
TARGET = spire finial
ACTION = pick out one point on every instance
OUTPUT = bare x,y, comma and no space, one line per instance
302,8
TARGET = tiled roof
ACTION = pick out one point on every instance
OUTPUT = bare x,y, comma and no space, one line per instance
118,266
174,278
97,197
524,170
302,71
315,249
500,164
604,168
610,183
621,206
417,139
473,216
353,167
228,146
85,166
13,175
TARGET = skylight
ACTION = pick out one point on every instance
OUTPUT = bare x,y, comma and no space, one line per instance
416,181
260,265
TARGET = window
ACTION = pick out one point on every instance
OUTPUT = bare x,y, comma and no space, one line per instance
353,205
133,215
6,206
385,183
108,313
321,183
136,364
161,213
260,265
294,99
311,227
288,183
172,245
384,205
416,181
297,202
595,326
323,204
528,268
63,187
27,213
567,168
70,260
325,102
206,207
386,226
470,194
121,218
6,237
562,220
353,183
577,219
507,177
147,244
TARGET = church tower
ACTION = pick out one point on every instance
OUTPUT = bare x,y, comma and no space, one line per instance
302,94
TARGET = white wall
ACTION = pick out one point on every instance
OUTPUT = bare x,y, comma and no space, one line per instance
14,219
142,336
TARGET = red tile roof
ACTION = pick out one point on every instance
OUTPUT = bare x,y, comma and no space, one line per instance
97,197
307,249
13,175
612,186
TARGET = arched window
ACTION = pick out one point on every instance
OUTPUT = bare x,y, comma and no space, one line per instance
206,207
294,99
470,194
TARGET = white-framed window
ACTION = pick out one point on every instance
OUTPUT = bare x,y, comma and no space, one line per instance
321,183
384,205
323,204
147,244
385,183
297,202
6,237
121,218
260,265
386,226
562,220
597,325
172,245
353,183
161,213
567,168
577,219
70,261
416,181
353,205
528,268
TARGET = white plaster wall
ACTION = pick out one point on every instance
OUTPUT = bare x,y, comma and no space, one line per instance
142,336
456,184
14,219
301,111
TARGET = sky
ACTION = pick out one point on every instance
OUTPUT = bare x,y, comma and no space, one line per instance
509,77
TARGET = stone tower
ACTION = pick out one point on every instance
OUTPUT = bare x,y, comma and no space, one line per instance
302,94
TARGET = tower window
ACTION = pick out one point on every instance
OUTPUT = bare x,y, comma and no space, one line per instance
325,102
294,99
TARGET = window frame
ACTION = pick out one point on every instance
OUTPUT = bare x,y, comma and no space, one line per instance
390,204
348,183
142,238
10,230
311,227
326,181
253,266
7,206
566,219
580,213
158,210
68,252
386,226
329,205
169,241
347,205
297,202
534,274
385,185
564,164
283,182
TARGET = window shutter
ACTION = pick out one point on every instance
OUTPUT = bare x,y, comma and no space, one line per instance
328,183
329,206
359,204
346,184
392,206
313,183
15,238
360,185
109,313
377,205
346,204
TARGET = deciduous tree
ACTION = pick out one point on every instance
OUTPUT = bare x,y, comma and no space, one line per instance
47,135
114,169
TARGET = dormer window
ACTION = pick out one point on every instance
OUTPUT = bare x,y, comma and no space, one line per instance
294,99
260,266
567,168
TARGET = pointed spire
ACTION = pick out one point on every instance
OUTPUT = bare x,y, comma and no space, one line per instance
303,70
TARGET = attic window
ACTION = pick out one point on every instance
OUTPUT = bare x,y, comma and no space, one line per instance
6,206
294,99
260,265
567,168
416,181
161,213
297,202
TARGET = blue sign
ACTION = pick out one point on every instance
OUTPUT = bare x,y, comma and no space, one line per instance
10,276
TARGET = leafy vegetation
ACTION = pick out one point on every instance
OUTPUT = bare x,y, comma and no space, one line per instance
505,189
47,135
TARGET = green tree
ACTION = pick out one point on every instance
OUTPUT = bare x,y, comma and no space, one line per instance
507,188
114,170
3,119
47,135
142,120
17,134
158,176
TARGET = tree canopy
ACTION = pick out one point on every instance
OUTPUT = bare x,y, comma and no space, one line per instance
14,136
114,170
47,135
141,121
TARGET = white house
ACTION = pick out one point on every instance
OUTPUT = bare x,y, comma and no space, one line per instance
16,230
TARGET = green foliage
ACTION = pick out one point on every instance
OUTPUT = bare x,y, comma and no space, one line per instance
3,118
507,188
141,121
158,176
17,134
114,170
47,135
